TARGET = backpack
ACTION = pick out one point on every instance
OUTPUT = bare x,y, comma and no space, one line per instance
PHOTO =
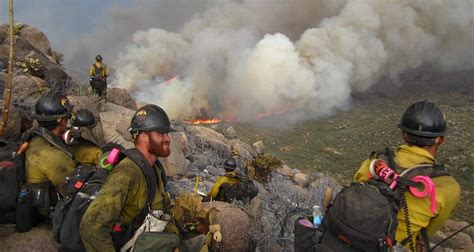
82,187
8,181
363,216
245,190
17,196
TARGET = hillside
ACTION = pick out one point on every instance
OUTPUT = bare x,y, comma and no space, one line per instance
338,144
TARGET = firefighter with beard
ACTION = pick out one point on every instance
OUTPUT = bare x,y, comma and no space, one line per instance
124,193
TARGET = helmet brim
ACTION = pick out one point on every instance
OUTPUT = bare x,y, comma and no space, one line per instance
45,118
421,133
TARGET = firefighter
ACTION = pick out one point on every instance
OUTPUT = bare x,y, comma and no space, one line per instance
47,159
98,73
423,127
84,145
233,186
123,196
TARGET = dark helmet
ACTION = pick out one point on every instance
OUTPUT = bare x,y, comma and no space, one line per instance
230,164
98,58
52,106
84,118
424,119
150,117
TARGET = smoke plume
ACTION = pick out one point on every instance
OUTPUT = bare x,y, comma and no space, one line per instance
238,59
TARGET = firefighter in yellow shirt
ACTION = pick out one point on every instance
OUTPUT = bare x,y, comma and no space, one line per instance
423,130
229,178
98,73
47,159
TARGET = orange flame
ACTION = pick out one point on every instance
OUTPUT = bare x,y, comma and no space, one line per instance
204,121
217,120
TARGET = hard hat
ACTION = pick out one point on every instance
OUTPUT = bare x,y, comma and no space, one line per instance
52,106
148,118
84,118
423,118
230,164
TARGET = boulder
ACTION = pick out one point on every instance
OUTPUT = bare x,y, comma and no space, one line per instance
255,209
55,75
182,140
175,163
209,139
84,102
37,39
28,88
110,119
122,128
199,161
121,97
285,170
259,147
452,225
459,241
39,238
246,152
235,225
230,133
214,171
13,129
302,179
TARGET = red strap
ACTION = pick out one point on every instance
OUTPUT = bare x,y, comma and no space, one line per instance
78,184
117,228
389,242
6,164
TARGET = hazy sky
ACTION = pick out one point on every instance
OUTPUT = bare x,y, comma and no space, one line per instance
82,29
60,19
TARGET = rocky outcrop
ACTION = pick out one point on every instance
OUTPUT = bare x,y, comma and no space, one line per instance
31,43
27,89
121,97
116,117
175,163
37,39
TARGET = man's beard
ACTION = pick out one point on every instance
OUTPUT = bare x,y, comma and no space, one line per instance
160,149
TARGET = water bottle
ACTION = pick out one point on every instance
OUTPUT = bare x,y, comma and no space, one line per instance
317,216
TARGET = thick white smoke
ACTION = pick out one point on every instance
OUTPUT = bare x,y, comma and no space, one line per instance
240,59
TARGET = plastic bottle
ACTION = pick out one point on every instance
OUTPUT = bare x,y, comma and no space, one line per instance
317,215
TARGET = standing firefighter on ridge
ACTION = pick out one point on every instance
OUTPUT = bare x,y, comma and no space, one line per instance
98,73
423,130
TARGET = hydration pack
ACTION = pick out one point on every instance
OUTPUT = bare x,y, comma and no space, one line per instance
82,187
26,204
245,190
363,216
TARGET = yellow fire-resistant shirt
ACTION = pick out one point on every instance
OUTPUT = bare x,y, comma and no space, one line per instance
228,178
47,163
447,194
86,152
104,73
120,200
